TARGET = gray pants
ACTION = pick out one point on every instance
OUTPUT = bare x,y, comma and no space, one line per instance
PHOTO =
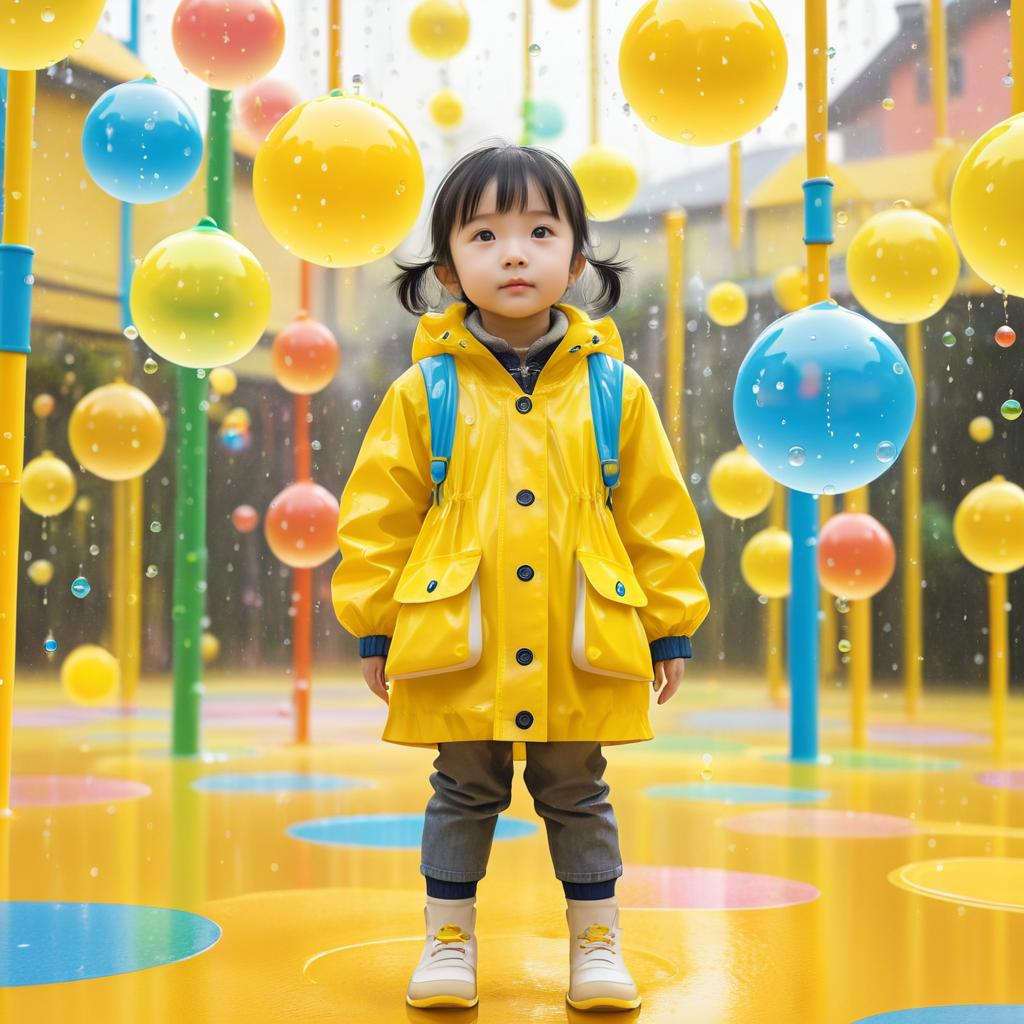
473,784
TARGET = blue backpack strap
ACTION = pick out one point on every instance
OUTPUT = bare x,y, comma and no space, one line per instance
442,386
606,376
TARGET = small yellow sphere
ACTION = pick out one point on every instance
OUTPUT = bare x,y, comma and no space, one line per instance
237,418
764,563
90,675
790,289
727,304
47,485
209,648
445,109
608,181
43,405
38,33
902,265
989,526
738,486
564,5
439,29
981,429
223,380
40,572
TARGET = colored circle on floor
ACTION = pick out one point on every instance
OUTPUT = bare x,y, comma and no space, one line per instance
748,720
926,736
46,943
274,782
821,823
995,883
736,793
677,888
1007,779
991,1013
393,831
873,761
54,790
686,744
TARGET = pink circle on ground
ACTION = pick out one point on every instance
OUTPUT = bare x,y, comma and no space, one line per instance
1008,779
644,886
821,822
926,736
51,790
55,718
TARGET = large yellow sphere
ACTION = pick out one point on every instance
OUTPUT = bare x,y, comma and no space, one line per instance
223,380
738,486
90,675
608,181
37,33
764,563
790,289
339,181
439,29
47,485
200,298
116,432
989,526
987,206
727,304
980,430
703,72
445,109
902,265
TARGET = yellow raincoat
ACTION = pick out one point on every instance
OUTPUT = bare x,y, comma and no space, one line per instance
521,608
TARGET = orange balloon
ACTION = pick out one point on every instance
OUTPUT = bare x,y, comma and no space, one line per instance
856,556
304,356
263,104
245,519
301,524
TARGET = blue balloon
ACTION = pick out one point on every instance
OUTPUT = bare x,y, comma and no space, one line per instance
544,119
824,400
141,142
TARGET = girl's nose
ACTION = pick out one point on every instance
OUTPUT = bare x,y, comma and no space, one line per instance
514,261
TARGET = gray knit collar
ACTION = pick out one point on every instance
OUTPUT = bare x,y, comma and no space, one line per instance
554,334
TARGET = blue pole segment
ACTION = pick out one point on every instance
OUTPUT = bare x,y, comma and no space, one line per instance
15,297
802,627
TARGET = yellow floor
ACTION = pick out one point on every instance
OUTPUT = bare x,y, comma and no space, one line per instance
330,933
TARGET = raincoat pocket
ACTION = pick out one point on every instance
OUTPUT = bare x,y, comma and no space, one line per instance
439,626
608,637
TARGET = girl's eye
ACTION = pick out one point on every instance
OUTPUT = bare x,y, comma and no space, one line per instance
484,231
542,228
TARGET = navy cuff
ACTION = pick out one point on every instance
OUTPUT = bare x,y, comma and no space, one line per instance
671,647
373,646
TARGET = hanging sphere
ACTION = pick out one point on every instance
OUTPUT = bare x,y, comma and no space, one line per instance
824,400
304,357
727,304
543,118
116,432
608,181
209,648
228,43
741,56
738,486
764,563
200,298
237,419
1005,336
38,33
439,29
90,675
301,524
263,104
445,108
141,142
43,405
245,519
40,572
790,288
47,485
980,429
989,526
856,556
902,265
339,181
223,380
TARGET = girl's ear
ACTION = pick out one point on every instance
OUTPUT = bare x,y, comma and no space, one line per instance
449,279
576,268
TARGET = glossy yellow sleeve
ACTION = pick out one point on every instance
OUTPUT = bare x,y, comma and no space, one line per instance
383,505
656,519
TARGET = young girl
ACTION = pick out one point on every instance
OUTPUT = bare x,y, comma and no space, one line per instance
526,599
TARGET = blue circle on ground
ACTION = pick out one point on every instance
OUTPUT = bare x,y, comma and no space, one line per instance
737,793
45,943
395,831
273,782
748,720
978,1014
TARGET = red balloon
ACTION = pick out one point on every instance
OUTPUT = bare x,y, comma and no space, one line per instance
304,356
1005,336
245,519
228,43
301,525
856,555
262,105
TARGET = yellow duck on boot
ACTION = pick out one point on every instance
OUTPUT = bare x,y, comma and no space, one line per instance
598,978
446,973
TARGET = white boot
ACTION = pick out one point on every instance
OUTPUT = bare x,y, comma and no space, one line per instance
598,978
446,973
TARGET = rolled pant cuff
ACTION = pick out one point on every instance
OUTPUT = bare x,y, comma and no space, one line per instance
588,876
451,876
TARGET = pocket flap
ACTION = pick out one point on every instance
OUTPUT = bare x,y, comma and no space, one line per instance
437,578
611,579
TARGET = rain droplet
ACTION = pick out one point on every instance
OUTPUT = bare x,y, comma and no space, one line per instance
80,587
50,645
131,332
888,103
949,339
797,456
829,489
842,605
534,49
151,571
1010,409
356,404
155,527
844,646
94,549
150,366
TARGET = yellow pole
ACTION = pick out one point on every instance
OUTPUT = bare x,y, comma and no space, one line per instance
1017,55
735,196
998,659
913,614
829,636
675,337
775,664
940,67
119,590
595,75
132,660
860,644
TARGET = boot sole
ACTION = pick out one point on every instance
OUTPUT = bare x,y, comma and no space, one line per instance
604,1003
429,1001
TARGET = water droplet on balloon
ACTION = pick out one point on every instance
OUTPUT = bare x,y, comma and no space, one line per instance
886,451
897,368
48,16
797,456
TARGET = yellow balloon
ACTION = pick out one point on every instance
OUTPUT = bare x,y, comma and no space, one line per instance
200,298
339,181
47,485
445,109
987,206
703,73
790,289
989,526
727,304
902,265
764,563
40,572
209,647
738,486
608,181
90,675
439,29
564,5
38,33
981,429
116,432
223,380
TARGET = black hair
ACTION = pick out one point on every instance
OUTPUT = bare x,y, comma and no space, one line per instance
512,167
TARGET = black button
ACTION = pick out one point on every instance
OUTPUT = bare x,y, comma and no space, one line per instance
524,404
575,348
431,586
524,719
525,497
524,655
525,572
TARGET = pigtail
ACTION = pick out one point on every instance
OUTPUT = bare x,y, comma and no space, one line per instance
610,273
411,286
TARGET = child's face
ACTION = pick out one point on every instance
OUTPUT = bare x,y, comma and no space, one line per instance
494,249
